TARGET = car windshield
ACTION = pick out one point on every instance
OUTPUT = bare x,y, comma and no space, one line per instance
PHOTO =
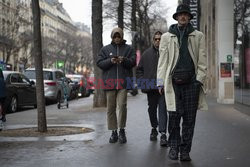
47,75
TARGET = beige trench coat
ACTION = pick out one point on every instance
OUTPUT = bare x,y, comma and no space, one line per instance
169,53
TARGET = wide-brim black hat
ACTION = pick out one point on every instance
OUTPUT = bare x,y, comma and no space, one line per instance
182,8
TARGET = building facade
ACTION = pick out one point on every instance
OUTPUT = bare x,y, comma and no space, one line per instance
59,35
226,25
242,51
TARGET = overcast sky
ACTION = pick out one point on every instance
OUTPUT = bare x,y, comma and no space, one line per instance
80,11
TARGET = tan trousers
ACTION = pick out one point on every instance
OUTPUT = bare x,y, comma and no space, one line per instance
116,99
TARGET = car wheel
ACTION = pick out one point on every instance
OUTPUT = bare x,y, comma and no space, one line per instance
13,104
87,94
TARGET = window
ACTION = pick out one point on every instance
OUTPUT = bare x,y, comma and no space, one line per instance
23,79
14,78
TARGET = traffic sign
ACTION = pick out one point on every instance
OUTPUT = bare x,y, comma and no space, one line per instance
229,58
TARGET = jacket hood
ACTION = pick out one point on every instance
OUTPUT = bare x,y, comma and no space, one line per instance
174,29
117,30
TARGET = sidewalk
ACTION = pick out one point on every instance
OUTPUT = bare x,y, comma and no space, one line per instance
221,139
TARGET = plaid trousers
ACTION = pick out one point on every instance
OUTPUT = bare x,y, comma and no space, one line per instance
187,98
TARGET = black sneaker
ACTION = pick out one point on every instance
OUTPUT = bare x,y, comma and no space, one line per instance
163,141
114,137
185,157
153,135
122,136
4,118
173,153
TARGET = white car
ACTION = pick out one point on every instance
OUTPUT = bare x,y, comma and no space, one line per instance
53,89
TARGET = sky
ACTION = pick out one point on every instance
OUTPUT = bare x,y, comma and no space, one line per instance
80,11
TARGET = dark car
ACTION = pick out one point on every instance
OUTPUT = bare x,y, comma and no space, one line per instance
20,91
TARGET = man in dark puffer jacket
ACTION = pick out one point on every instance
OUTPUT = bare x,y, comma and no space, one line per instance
146,73
116,61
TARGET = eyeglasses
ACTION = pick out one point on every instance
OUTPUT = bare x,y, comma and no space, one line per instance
157,39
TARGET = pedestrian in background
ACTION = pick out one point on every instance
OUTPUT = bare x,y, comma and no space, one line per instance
147,70
182,68
2,98
116,61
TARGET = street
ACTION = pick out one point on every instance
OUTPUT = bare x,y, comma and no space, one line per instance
221,139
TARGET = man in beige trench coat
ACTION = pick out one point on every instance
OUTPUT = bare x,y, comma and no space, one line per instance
181,74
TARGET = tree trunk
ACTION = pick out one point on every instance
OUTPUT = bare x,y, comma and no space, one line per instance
41,112
99,96
133,24
133,15
120,14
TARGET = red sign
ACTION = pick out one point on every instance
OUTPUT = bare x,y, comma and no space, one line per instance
225,70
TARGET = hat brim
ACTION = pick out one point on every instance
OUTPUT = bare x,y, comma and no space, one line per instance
176,14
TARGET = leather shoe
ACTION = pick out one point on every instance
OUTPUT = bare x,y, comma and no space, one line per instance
185,157
173,153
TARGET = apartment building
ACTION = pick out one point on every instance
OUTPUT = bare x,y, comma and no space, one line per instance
16,29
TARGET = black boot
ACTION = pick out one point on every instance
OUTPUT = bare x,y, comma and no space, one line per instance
163,141
3,118
114,137
153,135
122,136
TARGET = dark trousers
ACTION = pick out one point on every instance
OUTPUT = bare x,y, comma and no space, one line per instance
187,97
3,107
155,100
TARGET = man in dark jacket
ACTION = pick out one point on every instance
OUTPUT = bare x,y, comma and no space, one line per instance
116,61
146,74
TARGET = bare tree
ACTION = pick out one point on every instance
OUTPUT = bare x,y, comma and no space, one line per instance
99,97
26,39
147,18
41,116
119,11
86,58
241,12
149,15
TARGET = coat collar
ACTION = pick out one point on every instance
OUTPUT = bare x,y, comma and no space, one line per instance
191,34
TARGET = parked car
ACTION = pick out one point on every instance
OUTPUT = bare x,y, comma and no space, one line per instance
20,91
53,89
81,81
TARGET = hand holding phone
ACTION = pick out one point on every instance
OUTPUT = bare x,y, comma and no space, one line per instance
114,59
120,59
